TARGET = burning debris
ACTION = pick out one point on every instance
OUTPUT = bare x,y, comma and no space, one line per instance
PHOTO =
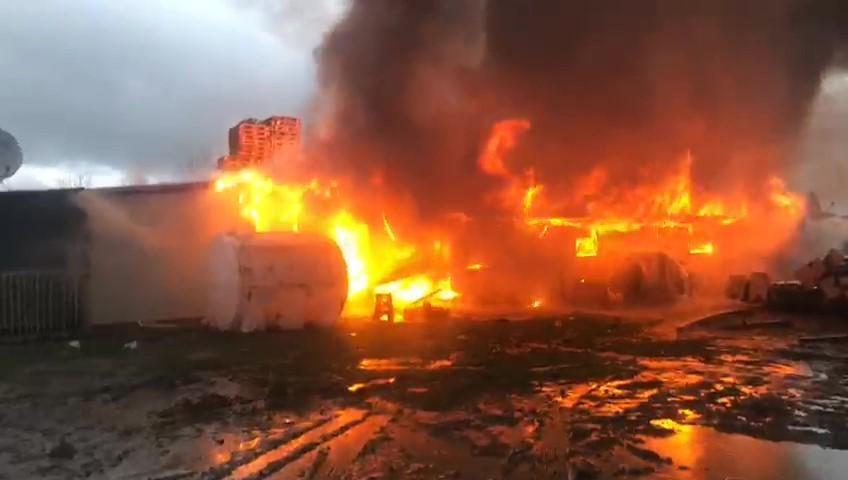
819,285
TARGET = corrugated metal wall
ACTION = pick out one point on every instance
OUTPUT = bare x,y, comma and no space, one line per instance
43,259
36,304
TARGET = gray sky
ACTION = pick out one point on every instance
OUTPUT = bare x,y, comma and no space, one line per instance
115,88
129,90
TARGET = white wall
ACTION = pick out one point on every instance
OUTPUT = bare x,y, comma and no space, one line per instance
148,252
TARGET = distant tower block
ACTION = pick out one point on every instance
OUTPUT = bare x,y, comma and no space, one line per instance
269,144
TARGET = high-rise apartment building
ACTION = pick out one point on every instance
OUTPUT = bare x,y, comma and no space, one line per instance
255,144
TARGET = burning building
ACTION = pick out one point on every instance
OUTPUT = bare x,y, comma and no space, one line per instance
459,158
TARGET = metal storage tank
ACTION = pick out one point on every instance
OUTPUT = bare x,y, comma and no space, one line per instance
275,280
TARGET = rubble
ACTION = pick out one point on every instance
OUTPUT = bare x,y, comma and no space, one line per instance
751,289
819,285
735,288
426,312
758,285
792,296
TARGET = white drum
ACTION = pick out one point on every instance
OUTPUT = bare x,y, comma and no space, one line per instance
275,280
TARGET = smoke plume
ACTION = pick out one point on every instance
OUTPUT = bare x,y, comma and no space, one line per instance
410,89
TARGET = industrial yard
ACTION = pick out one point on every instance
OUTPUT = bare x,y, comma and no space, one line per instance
434,239
559,396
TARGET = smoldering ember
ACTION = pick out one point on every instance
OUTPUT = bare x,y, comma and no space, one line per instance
509,239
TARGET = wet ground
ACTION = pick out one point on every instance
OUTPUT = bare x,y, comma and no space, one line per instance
566,396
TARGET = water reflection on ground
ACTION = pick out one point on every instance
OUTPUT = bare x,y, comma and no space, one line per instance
702,453
580,397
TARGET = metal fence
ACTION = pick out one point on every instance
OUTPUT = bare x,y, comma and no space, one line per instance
39,304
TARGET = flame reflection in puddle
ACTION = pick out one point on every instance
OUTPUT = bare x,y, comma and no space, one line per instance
708,454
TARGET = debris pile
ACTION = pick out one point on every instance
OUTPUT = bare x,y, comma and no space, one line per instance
828,274
752,288
820,284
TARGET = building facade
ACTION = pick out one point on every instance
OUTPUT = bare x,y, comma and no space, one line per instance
76,257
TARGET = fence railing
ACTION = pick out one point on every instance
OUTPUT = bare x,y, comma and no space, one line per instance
39,303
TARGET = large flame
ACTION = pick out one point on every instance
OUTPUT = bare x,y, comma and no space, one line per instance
374,256
655,209
665,211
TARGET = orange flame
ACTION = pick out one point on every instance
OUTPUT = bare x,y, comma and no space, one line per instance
389,231
783,198
668,205
529,196
587,246
370,259
503,138
703,249
664,210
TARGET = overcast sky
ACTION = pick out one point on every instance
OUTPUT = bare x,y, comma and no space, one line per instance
121,91
116,89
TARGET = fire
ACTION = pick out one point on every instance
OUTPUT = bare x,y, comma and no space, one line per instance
654,212
783,198
352,238
664,211
417,288
529,196
703,249
371,258
389,231
504,137
716,209
270,206
587,246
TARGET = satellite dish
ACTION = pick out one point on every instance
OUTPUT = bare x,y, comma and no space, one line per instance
11,156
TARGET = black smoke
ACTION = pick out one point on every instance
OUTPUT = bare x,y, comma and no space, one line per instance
410,89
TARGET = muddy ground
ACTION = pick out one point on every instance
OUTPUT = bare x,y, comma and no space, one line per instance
564,396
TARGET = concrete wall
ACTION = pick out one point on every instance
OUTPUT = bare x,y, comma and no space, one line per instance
42,231
148,250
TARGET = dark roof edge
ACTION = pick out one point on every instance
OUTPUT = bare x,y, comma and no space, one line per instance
121,190
156,188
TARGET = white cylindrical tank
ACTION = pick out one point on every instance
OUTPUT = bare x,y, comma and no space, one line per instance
282,280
